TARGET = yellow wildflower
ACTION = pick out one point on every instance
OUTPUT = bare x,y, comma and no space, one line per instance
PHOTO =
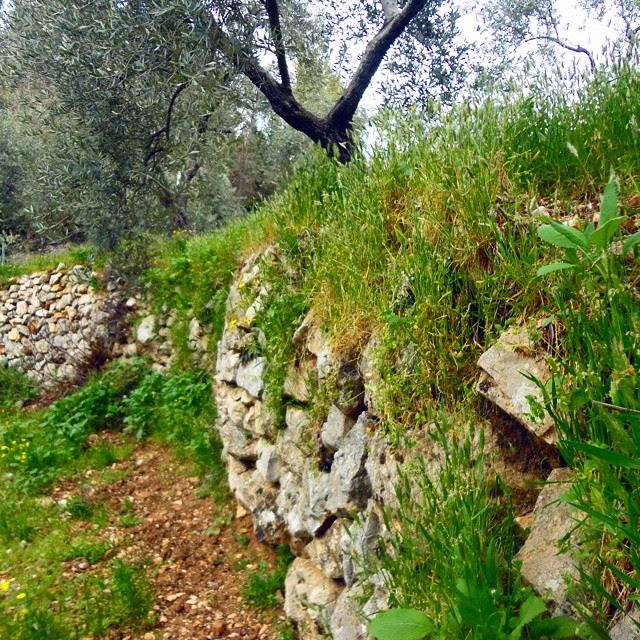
5,585
21,596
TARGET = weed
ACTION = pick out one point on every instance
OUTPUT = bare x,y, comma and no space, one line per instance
128,517
594,399
243,540
92,551
15,388
264,584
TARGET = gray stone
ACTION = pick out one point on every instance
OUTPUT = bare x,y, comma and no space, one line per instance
382,470
628,628
296,384
347,621
250,376
359,541
325,551
298,422
544,567
248,488
502,380
268,462
227,365
335,428
350,486
146,330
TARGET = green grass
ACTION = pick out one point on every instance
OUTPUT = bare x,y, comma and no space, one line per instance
30,263
264,587
39,536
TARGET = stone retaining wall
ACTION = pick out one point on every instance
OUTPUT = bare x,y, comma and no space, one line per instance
320,481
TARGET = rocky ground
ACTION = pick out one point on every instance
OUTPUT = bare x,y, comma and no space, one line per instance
200,552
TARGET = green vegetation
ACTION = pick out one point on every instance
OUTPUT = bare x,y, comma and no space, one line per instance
29,263
264,588
39,448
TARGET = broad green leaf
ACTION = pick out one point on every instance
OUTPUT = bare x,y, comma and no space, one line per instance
531,608
603,234
609,207
560,627
554,266
608,456
396,624
559,235
631,242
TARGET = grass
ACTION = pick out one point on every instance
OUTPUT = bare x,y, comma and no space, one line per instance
30,263
264,588
39,536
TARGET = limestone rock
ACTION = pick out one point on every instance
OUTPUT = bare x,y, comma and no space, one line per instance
325,551
335,428
250,376
310,598
382,470
628,628
296,384
350,486
146,330
502,380
347,621
268,462
543,565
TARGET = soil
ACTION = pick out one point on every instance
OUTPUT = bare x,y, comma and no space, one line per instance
199,552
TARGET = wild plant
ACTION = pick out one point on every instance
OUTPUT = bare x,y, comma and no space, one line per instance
594,397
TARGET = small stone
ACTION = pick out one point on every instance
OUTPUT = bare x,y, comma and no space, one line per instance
218,628
146,330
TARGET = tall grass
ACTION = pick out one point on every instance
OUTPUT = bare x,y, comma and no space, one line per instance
432,240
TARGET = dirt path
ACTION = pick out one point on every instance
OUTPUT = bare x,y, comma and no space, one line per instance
200,553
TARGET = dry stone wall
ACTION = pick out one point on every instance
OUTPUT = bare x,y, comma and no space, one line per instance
321,482
52,323
55,324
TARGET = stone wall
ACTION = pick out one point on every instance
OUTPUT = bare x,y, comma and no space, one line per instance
53,323
321,481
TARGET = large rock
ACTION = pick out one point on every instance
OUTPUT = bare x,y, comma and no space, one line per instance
350,486
628,628
350,618
544,566
503,380
250,374
335,428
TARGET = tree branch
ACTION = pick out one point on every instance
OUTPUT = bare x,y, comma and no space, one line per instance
281,100
166,130
278,40
344,110
568,47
